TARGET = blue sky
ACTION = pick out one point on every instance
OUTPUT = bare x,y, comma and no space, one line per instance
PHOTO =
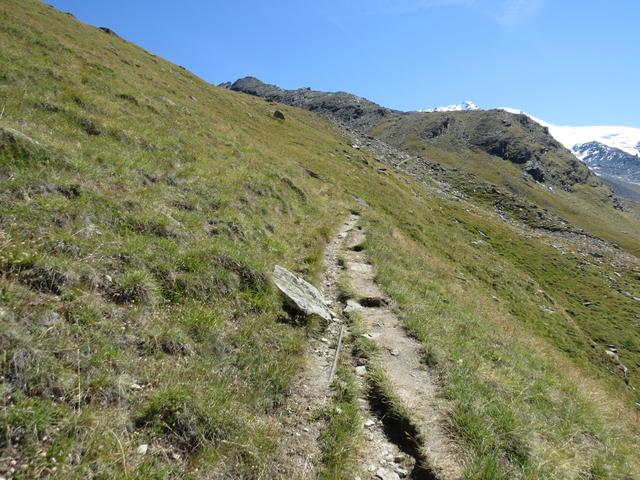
565,61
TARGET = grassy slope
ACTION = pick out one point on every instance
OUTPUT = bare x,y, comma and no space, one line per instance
588,207
134,304
137,257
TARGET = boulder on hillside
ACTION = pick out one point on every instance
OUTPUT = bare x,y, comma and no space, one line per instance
300,295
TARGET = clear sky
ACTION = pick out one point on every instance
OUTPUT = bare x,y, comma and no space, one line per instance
566,61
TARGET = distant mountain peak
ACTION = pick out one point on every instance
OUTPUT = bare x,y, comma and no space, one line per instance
626,139
458,107
611,151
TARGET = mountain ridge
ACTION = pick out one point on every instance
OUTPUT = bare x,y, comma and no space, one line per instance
366,115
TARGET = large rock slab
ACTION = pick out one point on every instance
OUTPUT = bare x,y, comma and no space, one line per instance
299,294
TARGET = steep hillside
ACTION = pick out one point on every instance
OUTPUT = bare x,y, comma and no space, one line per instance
630,191
500,159
141,213
515,138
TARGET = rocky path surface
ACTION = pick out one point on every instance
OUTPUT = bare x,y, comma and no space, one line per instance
381,458
401,360
384,457
312,390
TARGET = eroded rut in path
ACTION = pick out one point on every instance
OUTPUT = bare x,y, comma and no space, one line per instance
425,438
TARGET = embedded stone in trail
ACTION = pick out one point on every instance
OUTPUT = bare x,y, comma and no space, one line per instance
299,294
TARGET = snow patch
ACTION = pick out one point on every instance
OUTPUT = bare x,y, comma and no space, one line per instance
626,139
458,107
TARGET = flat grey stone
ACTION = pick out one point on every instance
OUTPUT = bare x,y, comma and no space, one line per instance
300,294
384,474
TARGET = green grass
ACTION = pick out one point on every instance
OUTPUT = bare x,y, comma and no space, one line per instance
340,440
518,410
141,211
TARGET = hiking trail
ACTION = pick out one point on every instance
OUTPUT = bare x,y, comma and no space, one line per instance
401,359
389,451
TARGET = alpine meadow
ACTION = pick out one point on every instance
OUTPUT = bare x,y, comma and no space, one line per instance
247,282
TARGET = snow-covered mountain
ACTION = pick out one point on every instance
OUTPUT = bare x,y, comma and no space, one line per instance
606,160
458,107
608,150
626,139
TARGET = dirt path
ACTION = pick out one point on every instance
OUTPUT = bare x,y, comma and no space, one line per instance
300,449
412,383
381,457
383,454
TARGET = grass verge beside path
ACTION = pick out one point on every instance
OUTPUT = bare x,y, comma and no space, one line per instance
517,414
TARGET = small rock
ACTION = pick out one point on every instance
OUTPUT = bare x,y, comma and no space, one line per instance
142,449
324,340
50,319
369,423
278,114
384,474
394,353
361,370
402,472
352,306
612,355
6,314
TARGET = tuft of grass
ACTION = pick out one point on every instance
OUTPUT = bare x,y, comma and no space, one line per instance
137,286
184,418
